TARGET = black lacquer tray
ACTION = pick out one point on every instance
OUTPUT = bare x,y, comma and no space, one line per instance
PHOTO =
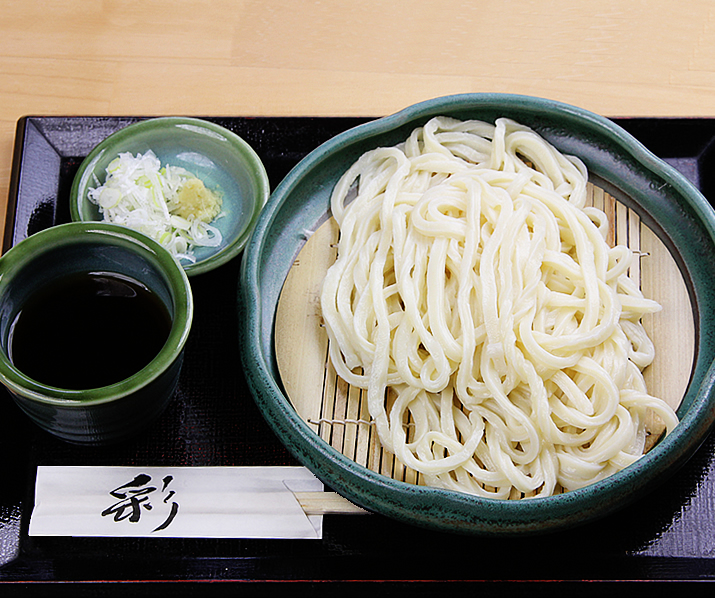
668,536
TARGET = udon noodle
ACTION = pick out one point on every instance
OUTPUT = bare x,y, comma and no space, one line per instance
475,298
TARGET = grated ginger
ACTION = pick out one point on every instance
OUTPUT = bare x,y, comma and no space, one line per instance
195,200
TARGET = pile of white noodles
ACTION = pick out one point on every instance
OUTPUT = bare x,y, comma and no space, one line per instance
475,298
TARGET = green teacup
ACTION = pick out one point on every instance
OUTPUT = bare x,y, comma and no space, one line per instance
57,387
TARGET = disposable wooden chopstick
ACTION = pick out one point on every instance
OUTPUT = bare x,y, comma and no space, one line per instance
322,503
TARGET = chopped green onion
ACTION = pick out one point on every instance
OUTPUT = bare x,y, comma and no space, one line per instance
138,192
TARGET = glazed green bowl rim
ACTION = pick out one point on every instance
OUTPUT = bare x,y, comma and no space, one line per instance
625,168
96,232
240,149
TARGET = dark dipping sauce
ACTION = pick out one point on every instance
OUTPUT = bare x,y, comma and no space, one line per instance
88,330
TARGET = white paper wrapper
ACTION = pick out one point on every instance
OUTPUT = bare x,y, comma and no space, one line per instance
205,502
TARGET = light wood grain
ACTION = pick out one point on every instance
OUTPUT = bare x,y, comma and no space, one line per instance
337,411
340,57
322,503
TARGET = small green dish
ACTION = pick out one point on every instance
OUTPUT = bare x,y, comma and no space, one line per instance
214,154
665,200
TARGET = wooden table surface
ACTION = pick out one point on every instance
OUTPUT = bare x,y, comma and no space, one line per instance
341,57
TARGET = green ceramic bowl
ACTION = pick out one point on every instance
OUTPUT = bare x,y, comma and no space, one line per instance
114,412
214,154
667,202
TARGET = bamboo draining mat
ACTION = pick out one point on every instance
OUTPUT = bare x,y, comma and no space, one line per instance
338,413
